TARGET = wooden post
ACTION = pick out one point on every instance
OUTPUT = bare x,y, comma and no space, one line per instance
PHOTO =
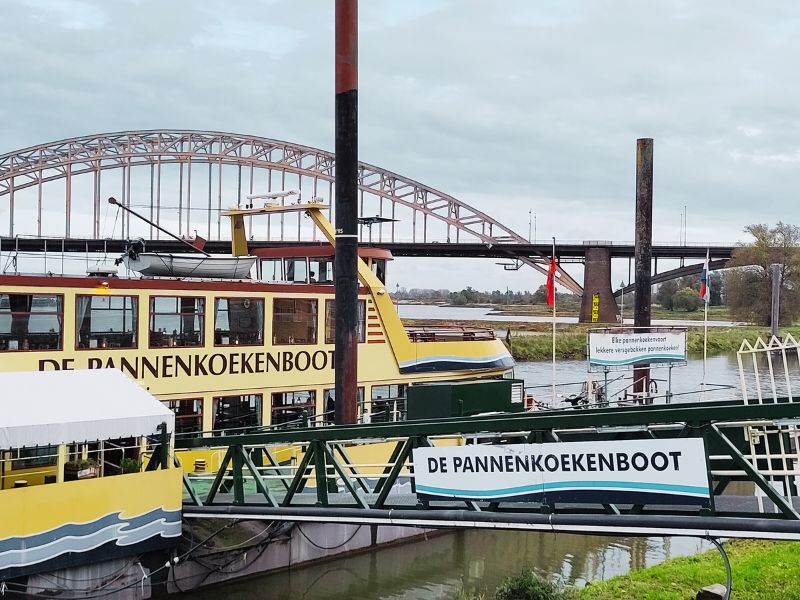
776,299
346,256
643,249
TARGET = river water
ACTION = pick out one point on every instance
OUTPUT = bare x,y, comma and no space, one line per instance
442,565
722,379
461,313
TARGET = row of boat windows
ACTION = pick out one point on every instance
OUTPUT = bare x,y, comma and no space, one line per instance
308,270
243,413
110,454
36,321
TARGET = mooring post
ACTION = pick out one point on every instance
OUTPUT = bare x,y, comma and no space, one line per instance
776,299
346,254
643,249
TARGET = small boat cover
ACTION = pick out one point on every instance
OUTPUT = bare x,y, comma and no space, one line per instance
41,408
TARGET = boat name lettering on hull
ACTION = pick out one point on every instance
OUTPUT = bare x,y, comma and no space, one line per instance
197,365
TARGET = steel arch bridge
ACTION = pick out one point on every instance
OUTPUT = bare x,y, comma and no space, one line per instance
184,179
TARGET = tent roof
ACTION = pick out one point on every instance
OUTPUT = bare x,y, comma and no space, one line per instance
41,408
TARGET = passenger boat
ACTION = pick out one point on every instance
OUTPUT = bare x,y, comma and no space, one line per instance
236,354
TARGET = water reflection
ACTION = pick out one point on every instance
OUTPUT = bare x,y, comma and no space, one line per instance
767,374
471,313
473,560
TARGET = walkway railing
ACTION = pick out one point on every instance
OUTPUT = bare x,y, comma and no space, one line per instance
448,334
366,470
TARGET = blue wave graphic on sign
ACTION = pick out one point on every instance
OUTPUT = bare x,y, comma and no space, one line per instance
645,357
569,485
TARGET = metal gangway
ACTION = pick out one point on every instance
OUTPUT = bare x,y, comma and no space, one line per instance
365,474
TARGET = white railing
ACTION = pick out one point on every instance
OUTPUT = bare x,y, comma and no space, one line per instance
768,371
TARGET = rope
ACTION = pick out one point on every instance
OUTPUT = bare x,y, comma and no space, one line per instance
313,543
728,578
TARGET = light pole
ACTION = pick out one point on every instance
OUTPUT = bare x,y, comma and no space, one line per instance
684,224
529,225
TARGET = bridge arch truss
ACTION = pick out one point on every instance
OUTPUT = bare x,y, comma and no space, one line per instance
182,180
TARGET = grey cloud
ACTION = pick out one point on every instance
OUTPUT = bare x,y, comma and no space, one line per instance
512,106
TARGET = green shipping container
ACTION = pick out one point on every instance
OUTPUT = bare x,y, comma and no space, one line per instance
441,400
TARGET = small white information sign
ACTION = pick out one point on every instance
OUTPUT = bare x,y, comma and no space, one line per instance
610,349
625,472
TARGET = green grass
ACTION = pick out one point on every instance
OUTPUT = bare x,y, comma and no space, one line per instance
571,341
715,313
569,345
761,571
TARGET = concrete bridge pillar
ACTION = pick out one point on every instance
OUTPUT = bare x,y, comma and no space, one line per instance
598,304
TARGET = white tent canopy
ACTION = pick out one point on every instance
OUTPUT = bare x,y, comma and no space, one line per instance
42,408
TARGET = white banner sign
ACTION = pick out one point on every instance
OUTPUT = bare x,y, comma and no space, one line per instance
615,349
625,472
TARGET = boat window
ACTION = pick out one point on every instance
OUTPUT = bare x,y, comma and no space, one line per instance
236,414
118,456
271,269
320,270
38,456
176,321
388,402
288,407
329,405
30,322
330,321
296,270
294,321
188,414
238,321
106,321
379,268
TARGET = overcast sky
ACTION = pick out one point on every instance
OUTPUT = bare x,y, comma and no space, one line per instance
510,105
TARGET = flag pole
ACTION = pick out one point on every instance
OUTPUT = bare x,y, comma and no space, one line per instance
554,324
706,298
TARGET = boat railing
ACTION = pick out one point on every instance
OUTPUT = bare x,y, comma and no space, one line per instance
597,393
449,334
374,411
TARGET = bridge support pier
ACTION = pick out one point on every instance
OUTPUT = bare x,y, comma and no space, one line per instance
598,304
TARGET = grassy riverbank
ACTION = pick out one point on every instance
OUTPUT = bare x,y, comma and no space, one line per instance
532,341
761,570
571,341
715,313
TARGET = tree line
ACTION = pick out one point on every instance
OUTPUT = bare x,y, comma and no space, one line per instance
745,288
469,295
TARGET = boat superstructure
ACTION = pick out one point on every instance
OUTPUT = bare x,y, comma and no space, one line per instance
235,354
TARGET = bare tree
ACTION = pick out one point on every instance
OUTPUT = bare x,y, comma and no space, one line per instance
748,286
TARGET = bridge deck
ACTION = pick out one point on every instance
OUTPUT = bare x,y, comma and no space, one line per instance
433,249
